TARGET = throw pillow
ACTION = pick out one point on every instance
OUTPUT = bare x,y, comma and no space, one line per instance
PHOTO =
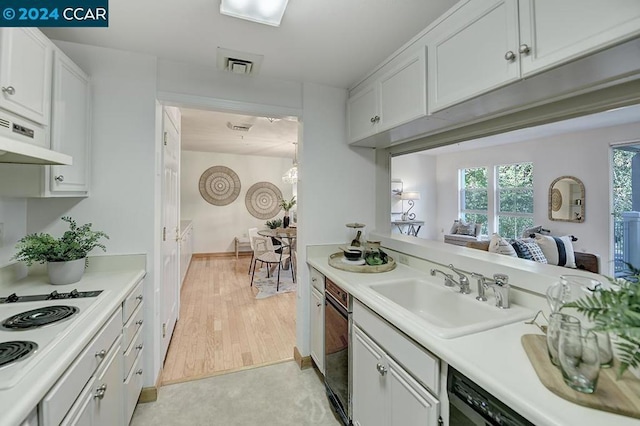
454,227
527,248
557,250
501,246
467,229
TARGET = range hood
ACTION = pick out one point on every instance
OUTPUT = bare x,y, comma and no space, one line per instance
21,143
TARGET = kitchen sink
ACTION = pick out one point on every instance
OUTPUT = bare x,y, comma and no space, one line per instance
446,312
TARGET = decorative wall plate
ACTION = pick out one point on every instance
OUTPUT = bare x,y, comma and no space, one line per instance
219,185
556,200
263,200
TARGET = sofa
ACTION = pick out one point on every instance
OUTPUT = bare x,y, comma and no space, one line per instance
461,233
584,261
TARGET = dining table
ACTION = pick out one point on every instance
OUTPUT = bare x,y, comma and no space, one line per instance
287,238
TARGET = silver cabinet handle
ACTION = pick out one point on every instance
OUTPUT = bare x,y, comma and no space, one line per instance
510,56
314,279
9,90
524,49
139,297
100,392
101,354
139,372
318,304
139,347
59,178
381,369
375,119
139,322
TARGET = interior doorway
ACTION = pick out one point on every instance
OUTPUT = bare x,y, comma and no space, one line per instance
625,167
223,325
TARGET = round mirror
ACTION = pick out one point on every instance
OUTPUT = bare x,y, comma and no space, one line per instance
566,199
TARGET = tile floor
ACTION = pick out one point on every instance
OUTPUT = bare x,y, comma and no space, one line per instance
276,395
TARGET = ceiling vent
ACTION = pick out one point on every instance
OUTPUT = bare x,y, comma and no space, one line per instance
238,62
239,127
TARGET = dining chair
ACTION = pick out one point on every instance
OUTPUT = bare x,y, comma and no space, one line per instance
265,254
252,233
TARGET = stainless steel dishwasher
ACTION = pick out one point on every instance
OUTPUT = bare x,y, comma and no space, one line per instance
336,348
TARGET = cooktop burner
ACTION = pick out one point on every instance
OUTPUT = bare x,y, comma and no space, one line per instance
15,350
39,317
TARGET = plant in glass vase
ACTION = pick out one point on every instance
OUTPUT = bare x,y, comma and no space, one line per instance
617,310
286,206
66,257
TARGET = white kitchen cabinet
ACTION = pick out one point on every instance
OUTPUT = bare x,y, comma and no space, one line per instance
553,32
107,395
486,45
399,95
70,134
317,329
384,393
132,351
476,53
70,127
25,73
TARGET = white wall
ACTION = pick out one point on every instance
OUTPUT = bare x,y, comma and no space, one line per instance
13,217
336,185
418,173
123,176
215,227
584,155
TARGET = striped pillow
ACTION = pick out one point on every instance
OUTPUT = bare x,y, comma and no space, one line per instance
557,250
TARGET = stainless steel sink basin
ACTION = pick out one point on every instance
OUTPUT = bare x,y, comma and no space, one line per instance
446,312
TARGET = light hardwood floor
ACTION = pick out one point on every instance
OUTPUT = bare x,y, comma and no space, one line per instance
223,327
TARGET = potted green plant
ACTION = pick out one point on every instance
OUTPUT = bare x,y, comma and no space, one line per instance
66,257
617,310
274,224
286,206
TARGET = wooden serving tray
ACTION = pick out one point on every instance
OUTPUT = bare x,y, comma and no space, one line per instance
615,396
335,260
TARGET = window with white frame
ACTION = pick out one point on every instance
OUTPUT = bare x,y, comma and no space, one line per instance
514,199
474,196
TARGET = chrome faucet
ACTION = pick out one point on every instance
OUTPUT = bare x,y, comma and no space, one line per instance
500,286
450,282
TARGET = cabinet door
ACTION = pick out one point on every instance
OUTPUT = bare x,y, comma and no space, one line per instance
70,126
558,31
25,73
369,393
107,392
362,110
317,328
410,403
469,59
403,92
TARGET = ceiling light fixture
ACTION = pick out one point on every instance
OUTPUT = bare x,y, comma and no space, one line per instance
291,176
268,12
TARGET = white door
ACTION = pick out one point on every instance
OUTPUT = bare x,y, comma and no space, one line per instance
478,54
369,399
403,92
410,403
362,110
557,31
170,231
25,73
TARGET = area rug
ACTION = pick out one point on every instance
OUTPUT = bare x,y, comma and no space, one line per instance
267,286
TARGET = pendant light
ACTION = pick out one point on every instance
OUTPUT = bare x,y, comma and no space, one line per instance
291,176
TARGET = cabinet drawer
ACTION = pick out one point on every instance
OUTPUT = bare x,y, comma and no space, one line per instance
132,388
131,327
131,352
317,280
423,365
58,400
131,302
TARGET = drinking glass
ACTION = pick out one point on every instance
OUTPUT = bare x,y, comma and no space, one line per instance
579,359
558,322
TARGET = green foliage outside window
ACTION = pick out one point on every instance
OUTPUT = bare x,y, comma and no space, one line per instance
515,199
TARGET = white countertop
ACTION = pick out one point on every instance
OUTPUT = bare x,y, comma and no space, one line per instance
116,276
494,359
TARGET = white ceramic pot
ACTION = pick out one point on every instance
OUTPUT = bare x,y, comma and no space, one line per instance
70,272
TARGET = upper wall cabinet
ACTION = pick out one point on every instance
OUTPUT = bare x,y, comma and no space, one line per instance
70,126
25,73
486,45
399,95
557,31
